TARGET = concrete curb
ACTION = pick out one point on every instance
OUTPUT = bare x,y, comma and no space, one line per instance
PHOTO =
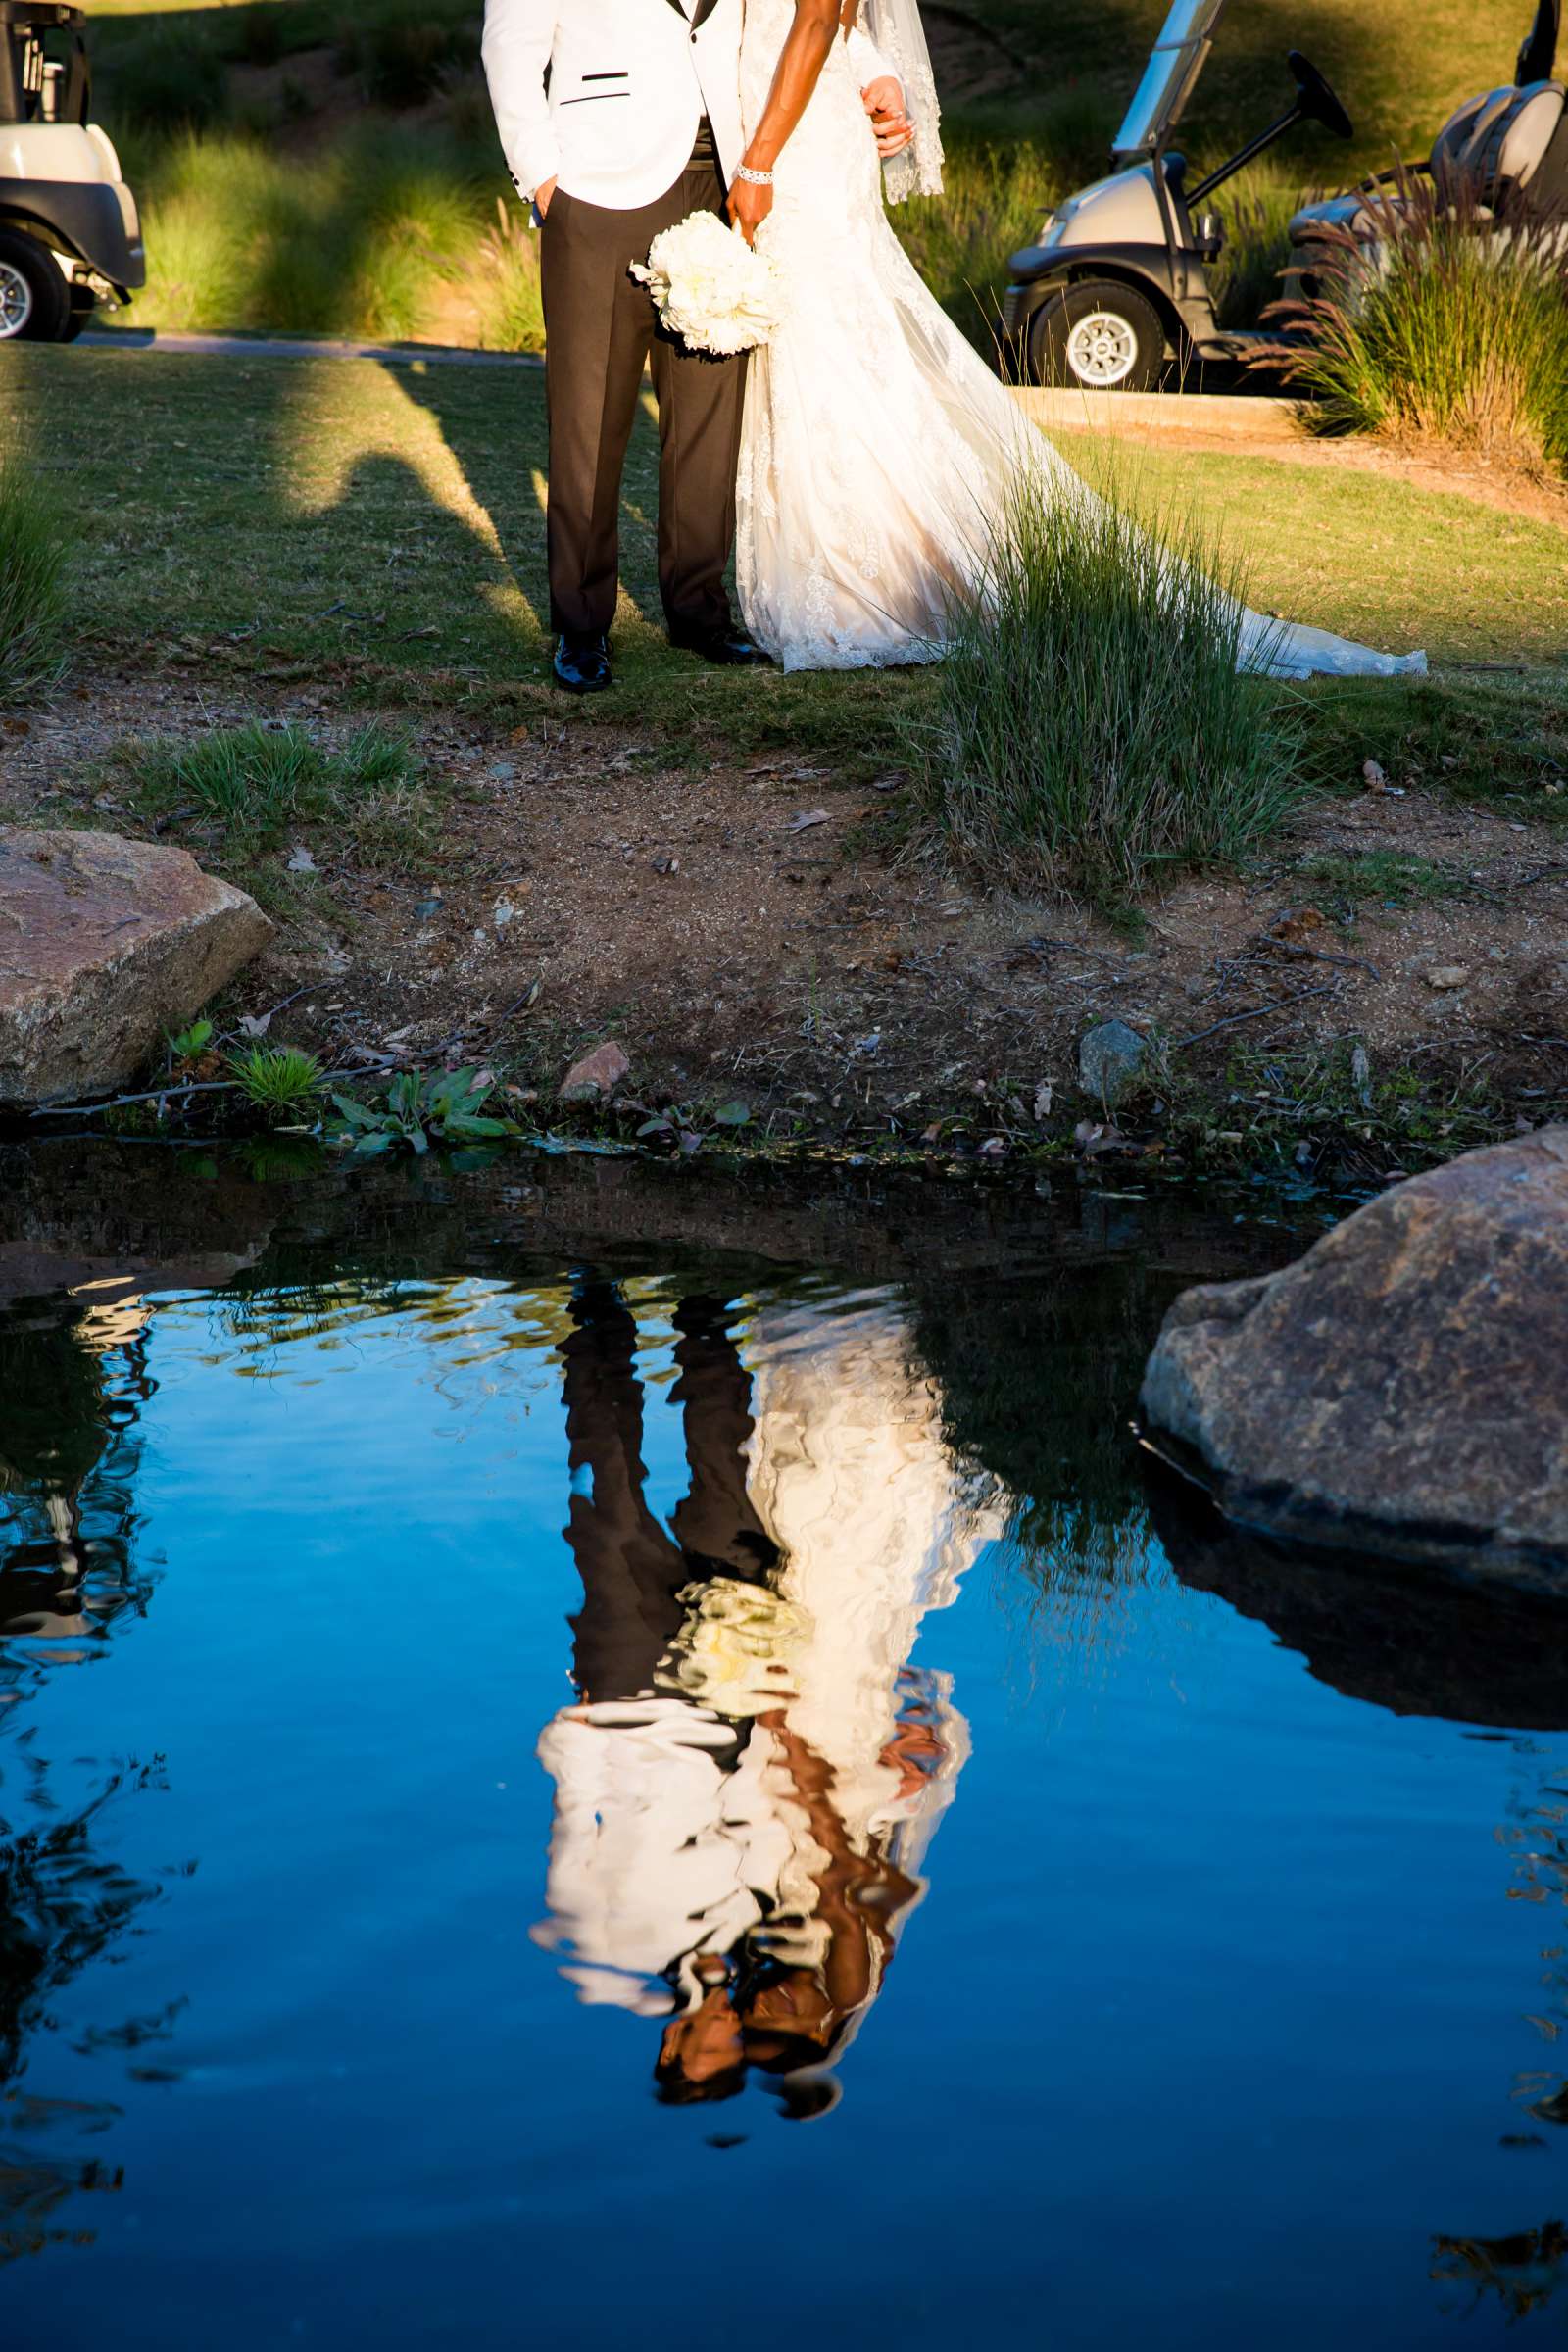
1247,416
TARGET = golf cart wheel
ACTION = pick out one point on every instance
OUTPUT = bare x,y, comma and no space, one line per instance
78,316
33,300
1100,336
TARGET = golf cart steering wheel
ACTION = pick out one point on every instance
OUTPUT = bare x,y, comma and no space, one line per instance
1316,100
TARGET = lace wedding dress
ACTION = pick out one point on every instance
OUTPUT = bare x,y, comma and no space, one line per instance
878,446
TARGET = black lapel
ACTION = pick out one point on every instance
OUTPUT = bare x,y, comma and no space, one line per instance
700,14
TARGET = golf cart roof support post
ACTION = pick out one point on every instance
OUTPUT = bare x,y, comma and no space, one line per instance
1175,64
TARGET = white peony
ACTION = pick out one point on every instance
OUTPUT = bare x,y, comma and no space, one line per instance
709,287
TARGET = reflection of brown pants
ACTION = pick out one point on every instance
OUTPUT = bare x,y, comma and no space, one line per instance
599,329
633,1571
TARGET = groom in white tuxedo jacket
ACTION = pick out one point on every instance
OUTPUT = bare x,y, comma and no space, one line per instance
618,117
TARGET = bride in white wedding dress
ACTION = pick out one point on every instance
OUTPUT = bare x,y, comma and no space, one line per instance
879,450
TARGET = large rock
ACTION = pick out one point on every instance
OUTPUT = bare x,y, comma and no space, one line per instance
1404,1388
105,943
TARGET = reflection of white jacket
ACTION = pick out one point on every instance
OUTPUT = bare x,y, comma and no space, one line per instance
664,1848
629,80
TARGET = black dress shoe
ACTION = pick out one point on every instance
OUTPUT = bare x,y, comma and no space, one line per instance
730,648
582,664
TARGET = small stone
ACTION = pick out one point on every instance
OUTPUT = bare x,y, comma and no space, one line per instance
1447,975
1375,778
597,1075
1111,1059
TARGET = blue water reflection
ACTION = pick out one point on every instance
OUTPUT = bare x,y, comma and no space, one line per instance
601,1808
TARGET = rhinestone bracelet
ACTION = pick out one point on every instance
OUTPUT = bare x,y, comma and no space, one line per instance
758,179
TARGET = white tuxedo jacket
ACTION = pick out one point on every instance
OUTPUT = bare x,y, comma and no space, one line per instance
605,95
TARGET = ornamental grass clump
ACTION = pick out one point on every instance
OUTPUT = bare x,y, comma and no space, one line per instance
34,613
1451,327
1094,722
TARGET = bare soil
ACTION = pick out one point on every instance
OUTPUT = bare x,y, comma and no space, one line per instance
761,932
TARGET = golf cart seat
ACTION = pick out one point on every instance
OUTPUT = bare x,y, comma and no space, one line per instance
1500,142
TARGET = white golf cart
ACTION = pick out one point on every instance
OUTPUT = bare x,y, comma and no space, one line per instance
1116,286
70,239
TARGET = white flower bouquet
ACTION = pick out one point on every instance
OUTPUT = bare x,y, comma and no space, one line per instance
709,287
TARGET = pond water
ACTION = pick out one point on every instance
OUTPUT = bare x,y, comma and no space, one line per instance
609,1792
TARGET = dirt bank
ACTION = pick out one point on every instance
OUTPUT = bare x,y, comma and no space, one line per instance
1393,978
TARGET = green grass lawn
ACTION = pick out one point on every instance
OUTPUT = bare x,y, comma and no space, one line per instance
258,495
269,515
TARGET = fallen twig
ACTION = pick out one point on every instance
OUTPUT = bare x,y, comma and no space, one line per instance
1258,1012
159,1094
1357,963
178,1089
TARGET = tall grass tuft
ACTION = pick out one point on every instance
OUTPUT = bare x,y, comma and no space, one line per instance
1094,724
994,201
257,781
508,296
1248,276
33,551
362,239
1452,329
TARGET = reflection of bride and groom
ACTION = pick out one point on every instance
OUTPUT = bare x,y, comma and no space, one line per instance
863,459
752,1770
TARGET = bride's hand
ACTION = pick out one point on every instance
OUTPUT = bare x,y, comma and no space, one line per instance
749,207
883,100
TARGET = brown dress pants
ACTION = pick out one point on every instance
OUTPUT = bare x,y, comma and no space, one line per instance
599,329
634,1570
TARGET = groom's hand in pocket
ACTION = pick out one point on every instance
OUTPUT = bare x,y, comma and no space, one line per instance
883,100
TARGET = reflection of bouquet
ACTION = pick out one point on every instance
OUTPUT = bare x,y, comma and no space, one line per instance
738,1650
709,287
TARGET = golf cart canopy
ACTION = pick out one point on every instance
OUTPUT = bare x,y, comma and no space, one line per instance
38,81
1179,57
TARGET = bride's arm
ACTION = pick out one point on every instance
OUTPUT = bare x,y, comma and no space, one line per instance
807,50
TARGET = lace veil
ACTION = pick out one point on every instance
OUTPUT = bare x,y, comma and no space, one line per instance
895,28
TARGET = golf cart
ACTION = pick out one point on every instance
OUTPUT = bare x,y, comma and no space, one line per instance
1117,283
70,237
1509,143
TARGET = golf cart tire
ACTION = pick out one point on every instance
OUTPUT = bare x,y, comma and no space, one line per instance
23,259
1099,336
78,316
